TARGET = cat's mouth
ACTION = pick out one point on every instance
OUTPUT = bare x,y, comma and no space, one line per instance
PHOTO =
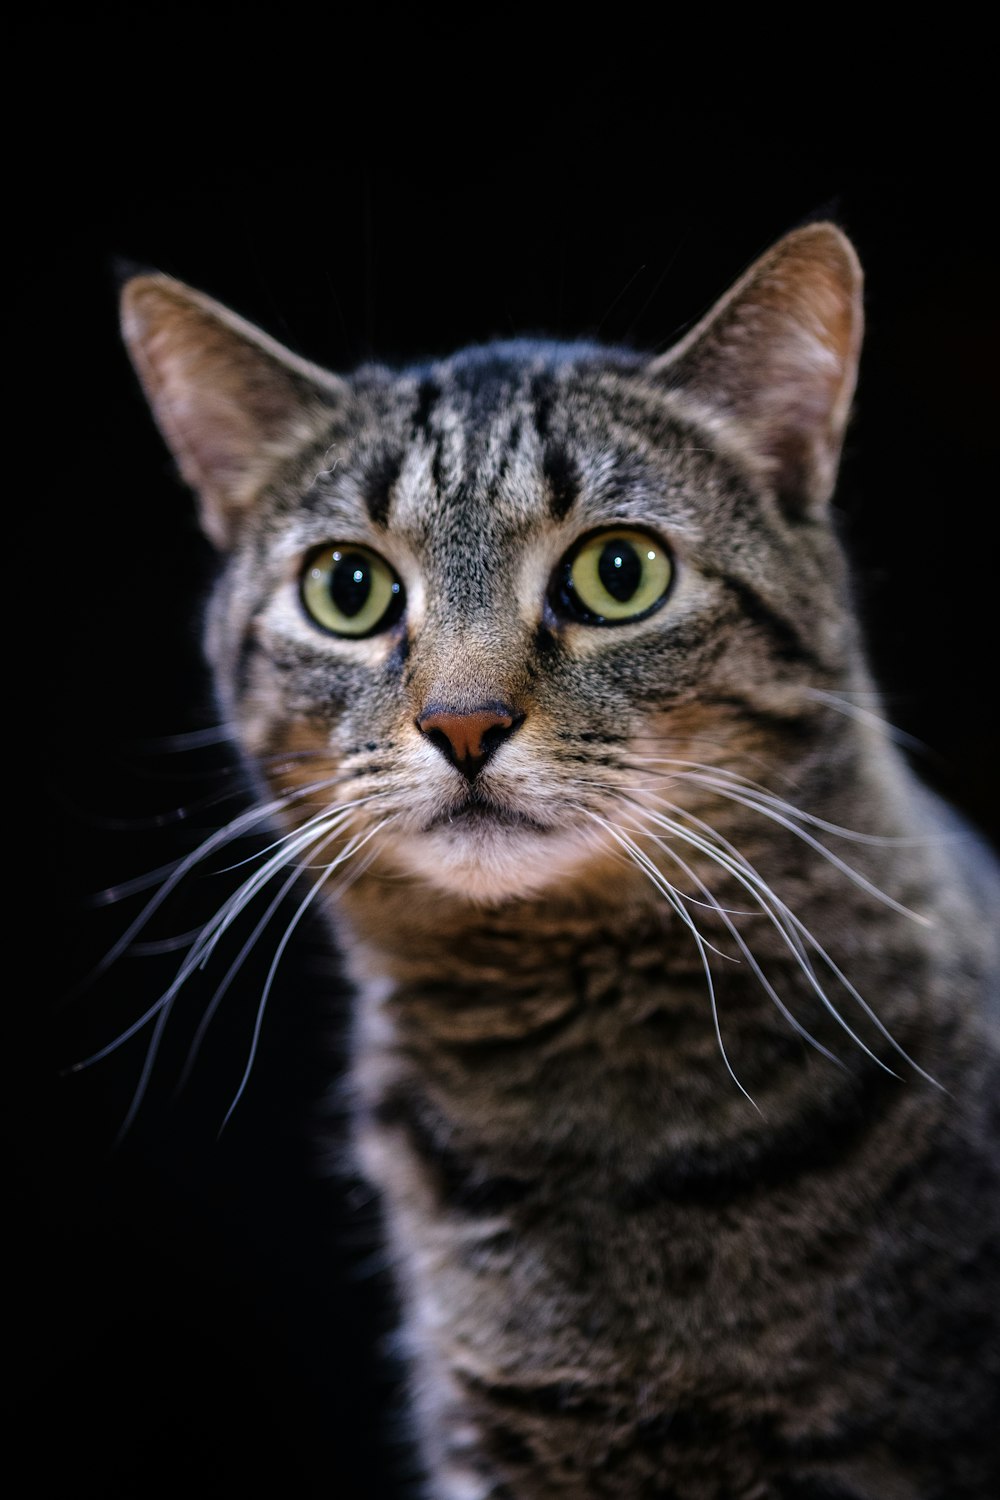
483,850
480,812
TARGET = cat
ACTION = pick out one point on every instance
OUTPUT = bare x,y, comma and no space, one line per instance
675,1055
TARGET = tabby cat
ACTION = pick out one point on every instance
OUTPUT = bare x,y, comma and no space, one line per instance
674,1056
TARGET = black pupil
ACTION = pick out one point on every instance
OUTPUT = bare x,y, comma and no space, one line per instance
620,569
351,583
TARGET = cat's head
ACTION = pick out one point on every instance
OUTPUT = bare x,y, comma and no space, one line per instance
475,614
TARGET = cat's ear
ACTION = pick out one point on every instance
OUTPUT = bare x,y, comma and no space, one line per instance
231,402
777,360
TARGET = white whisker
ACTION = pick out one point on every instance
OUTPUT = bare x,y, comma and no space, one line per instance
754,797
864,716
241,958
210,934
694,771
208,938
663,885
234,969
237,827
307,901
638,856
730,859
155,948
190,739
749,955
757,805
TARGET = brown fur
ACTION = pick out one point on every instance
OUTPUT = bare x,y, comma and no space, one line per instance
676,1052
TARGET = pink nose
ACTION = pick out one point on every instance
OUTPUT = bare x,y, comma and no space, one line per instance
468,740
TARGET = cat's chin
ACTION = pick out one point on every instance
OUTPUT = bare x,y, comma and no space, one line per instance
486,861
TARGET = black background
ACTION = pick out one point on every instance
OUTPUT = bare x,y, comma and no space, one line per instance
199,1313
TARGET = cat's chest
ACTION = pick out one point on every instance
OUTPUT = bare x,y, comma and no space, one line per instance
537,1268
530,983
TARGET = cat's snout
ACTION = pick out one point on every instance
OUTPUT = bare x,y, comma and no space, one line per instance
468,738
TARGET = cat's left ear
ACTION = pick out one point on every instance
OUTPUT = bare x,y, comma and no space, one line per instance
776,360
232,403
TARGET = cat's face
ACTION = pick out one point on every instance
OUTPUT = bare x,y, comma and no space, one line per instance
473,613
476,589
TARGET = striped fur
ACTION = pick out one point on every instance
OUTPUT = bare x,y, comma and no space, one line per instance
683,1103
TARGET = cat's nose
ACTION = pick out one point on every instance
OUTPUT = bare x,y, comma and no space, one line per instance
468,739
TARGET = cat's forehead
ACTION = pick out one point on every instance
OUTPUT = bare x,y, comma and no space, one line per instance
510,435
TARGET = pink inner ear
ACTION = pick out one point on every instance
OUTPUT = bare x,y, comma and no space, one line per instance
217,440
229,401
779,356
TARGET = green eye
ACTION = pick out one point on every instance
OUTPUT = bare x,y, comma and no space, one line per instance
351,591
613,577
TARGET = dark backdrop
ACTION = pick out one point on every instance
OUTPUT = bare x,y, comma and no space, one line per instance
199,1315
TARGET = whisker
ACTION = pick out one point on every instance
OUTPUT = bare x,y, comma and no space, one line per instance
722,746
319,838
864,716
708,905
156,948
299,828
757,798
640,858
145,1074
748,953
166,819
189,739
647,866
751,879
287,848
851,873
697,771
112,894
877,840
239,961
279,952
119,892
176,871
757,886
210,934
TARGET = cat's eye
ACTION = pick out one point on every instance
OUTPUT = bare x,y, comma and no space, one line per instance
613,577
351,591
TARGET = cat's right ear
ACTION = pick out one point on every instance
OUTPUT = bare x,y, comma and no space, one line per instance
776,361
231,402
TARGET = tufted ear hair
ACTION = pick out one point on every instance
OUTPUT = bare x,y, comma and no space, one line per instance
231,402
776,359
